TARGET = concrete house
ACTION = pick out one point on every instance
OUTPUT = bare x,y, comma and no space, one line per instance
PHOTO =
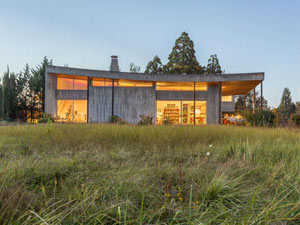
93,96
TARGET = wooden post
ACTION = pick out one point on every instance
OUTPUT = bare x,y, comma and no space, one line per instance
220,102
254,101
88,98
194,103
261,95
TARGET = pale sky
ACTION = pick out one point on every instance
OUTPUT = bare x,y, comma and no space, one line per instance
247,36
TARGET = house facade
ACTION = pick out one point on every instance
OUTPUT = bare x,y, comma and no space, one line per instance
93,96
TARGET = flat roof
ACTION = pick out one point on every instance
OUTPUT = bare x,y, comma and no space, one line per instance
232,83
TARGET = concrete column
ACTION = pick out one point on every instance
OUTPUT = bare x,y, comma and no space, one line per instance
213,104
261,95
50,94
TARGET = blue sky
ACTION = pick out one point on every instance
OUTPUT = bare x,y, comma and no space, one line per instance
247,36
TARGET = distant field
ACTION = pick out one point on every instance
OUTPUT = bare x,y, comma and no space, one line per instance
111,174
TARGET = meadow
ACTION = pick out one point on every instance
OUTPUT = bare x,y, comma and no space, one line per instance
121,174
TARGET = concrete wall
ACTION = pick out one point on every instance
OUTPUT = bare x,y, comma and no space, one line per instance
71,94
212,104
130,103
228,106
50,94
100,104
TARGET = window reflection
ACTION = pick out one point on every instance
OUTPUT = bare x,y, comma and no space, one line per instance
71,84
72,111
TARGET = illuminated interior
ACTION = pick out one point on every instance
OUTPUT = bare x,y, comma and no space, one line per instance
180,86
120,83
71,84
180,112
72,111
228,98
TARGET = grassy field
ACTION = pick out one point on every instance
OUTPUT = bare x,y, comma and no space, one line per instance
111,174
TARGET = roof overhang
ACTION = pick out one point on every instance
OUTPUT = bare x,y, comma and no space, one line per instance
232,84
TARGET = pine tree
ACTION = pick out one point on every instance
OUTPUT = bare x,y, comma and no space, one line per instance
1,101
286,107
182,59
9,95
37,83
155,66
23,93
213,66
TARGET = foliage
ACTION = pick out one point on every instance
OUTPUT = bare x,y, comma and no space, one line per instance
9,96
259,117
298,106
116,119
37,85
286,107
296,119
155,66
213,66
182,59
134,68
45,118
145,120
104,174
1,101
240,105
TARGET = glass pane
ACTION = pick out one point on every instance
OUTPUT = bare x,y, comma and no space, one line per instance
168,112
187,86
80,84
65,110
64,83
168,86
80,111
201,87
102,83
200,112
227,98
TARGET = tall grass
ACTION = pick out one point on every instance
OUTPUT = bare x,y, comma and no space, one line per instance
112,174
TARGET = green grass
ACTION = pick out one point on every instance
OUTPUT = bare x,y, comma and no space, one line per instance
111,174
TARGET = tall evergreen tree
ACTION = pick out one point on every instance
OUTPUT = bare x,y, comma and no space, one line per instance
1,101
213,66
37,83
182,59
286,107
154,66
9,95
23,93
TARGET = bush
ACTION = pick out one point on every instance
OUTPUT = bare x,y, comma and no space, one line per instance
259,118
117,120
45,118
296,119
145,120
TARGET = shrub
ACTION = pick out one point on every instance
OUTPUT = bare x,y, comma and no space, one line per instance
145,120
296,119
259,118
117,120
45,118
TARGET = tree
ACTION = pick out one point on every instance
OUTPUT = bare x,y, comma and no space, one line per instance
213,66
1,101
286,107
134,68
182,59
298,106
155,66
23,93
9,95
37,83
245,102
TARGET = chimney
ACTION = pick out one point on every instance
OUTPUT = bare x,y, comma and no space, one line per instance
114,66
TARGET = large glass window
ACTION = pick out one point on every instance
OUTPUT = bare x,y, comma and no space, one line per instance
72,111
71,84
180,112
120,83
102,82
180,86
228,98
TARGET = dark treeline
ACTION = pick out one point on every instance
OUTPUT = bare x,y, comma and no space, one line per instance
22,94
